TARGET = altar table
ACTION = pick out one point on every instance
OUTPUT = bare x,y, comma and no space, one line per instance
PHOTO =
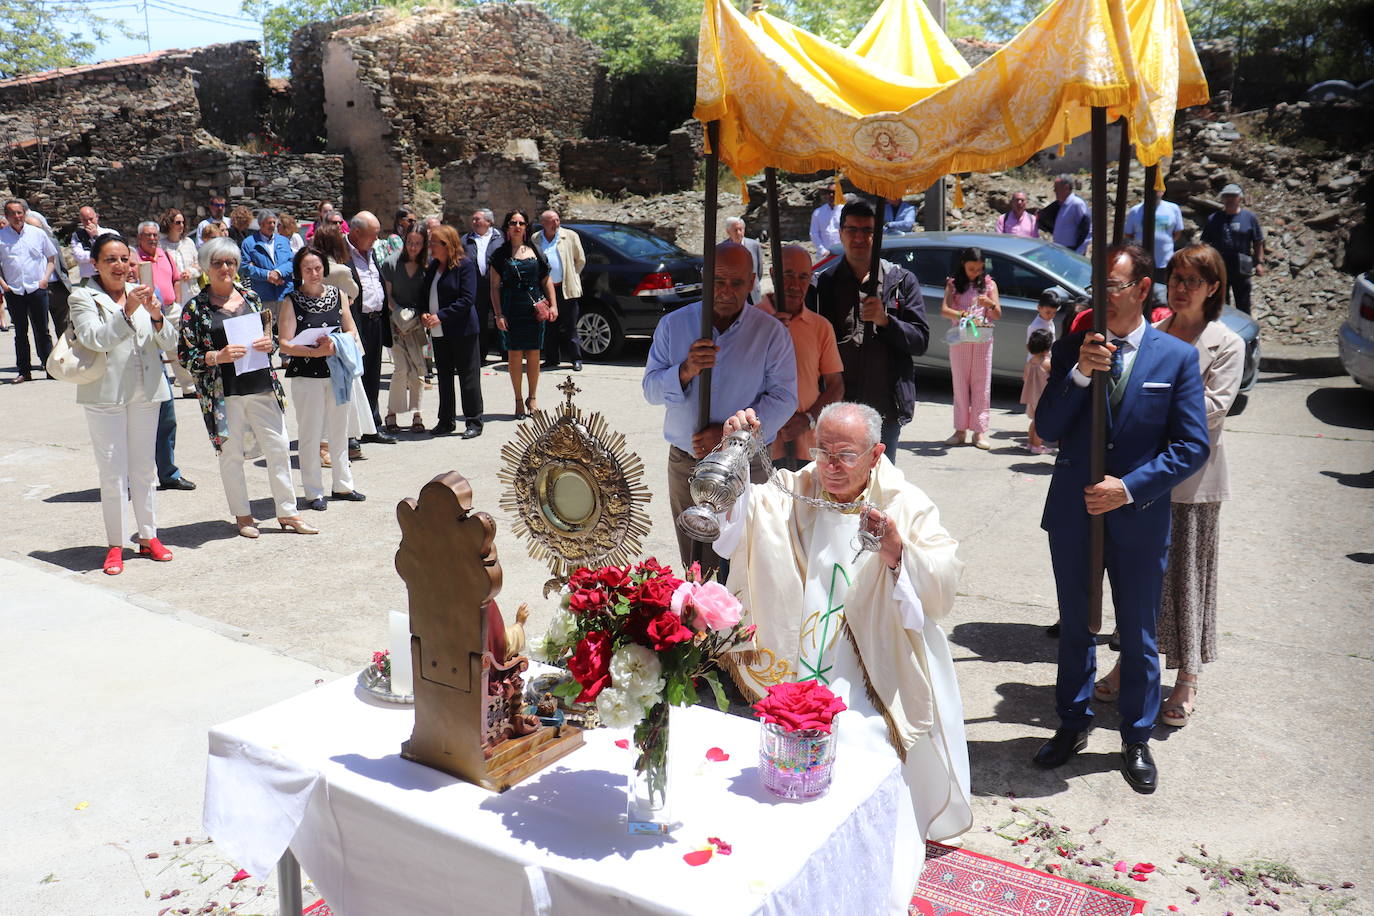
383,836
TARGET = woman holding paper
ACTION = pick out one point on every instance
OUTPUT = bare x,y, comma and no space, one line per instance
316,311
112,315
241,401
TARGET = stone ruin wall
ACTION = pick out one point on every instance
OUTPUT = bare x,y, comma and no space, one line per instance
140,134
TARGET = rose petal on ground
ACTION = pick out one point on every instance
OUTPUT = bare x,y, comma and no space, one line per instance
1137,876
698,856
717,755
1143,867
1121,866
238,876
722,847
623,742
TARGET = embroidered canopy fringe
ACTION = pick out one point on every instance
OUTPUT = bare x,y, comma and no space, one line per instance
788,99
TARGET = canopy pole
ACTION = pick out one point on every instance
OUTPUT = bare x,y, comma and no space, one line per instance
770,184
1098,463
1147,219
1123,184
708,266
874,285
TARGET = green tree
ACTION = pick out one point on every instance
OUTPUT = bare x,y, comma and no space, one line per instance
637,36
37,35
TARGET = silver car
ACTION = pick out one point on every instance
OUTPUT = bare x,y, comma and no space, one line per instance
1357,334
1023,268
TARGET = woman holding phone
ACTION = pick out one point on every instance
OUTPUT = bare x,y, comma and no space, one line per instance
115,316
522,300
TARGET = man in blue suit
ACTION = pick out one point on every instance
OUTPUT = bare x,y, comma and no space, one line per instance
1156,437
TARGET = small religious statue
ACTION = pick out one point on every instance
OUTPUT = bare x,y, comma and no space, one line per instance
470,717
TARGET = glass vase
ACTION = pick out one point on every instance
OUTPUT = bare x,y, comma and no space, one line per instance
648,807
796,764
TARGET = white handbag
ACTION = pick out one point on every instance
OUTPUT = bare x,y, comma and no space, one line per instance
69,361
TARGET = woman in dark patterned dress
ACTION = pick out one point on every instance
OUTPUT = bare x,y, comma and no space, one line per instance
522,300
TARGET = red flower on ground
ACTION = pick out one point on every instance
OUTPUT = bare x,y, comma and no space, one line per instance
591,665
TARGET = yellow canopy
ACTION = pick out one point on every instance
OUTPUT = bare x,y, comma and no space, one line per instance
902,35
788,99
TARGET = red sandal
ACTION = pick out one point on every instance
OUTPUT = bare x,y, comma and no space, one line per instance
155,550
114,561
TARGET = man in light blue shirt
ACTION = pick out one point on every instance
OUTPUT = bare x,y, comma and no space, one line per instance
753,365
898,215
1168,227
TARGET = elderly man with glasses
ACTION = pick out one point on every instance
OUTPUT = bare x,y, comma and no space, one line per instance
861,621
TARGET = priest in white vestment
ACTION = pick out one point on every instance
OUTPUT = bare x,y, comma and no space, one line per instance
863,623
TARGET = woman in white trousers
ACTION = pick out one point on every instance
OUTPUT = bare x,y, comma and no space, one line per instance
313,305
125,322
239,408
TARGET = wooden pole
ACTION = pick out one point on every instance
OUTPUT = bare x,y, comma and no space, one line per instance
1147,229
874,285
1098,462
770,184
1123,184
708,266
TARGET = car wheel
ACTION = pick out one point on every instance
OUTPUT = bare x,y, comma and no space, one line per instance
599,333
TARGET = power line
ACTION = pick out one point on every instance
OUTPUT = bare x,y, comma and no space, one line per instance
170,7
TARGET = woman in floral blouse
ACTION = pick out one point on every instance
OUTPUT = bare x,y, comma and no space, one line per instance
239,408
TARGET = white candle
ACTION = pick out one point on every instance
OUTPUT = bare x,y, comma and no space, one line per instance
402,677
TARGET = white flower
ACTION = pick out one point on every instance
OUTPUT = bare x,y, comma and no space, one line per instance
637,671
562,628
618,709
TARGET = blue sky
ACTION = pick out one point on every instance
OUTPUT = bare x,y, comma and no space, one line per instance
174,24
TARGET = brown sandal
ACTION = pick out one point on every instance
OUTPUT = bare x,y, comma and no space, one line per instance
390,424
1176,715
417,425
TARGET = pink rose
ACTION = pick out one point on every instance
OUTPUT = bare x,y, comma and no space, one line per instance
682,598
716,609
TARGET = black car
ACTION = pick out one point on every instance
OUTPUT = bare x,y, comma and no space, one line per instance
632,279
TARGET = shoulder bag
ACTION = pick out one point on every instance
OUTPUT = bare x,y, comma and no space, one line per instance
69,361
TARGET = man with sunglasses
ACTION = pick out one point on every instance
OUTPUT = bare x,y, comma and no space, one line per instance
861,621
216,208
879,336
1156,438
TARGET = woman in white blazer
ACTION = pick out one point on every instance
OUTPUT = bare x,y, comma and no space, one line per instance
124,321
1188,607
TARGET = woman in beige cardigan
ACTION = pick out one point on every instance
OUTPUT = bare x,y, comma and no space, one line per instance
1188,610
125,322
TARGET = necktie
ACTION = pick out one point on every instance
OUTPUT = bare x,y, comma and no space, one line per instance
1118,359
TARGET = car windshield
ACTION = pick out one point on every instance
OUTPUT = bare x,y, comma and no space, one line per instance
635,243
1061,262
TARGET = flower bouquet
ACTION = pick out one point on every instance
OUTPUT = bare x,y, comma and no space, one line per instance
796,740
636,641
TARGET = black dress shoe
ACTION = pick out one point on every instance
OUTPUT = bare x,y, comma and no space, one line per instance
1138,766
176,483
1057,751
352,496
577,365
318,504
473,431
380,437
549,364
1052,631
443,429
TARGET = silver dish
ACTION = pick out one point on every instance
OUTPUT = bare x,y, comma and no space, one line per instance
379,686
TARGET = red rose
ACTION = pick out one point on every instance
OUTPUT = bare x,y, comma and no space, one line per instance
800,705
581,578
587,601
613,577
654,595
665,631
591,665
652,567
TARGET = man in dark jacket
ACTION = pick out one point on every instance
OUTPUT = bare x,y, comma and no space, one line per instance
879,336
481,243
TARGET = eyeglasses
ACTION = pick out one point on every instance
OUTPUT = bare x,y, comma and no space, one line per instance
1188,283
223,262
1112,288
844,459
217,203
516,222
178,222
861,231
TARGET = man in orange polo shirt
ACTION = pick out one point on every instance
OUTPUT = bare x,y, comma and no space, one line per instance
818,358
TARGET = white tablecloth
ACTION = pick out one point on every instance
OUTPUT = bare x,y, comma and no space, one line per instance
383,836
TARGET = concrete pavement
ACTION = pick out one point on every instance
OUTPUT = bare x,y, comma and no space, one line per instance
1272,766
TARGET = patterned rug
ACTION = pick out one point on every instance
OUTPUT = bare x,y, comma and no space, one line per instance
956,882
